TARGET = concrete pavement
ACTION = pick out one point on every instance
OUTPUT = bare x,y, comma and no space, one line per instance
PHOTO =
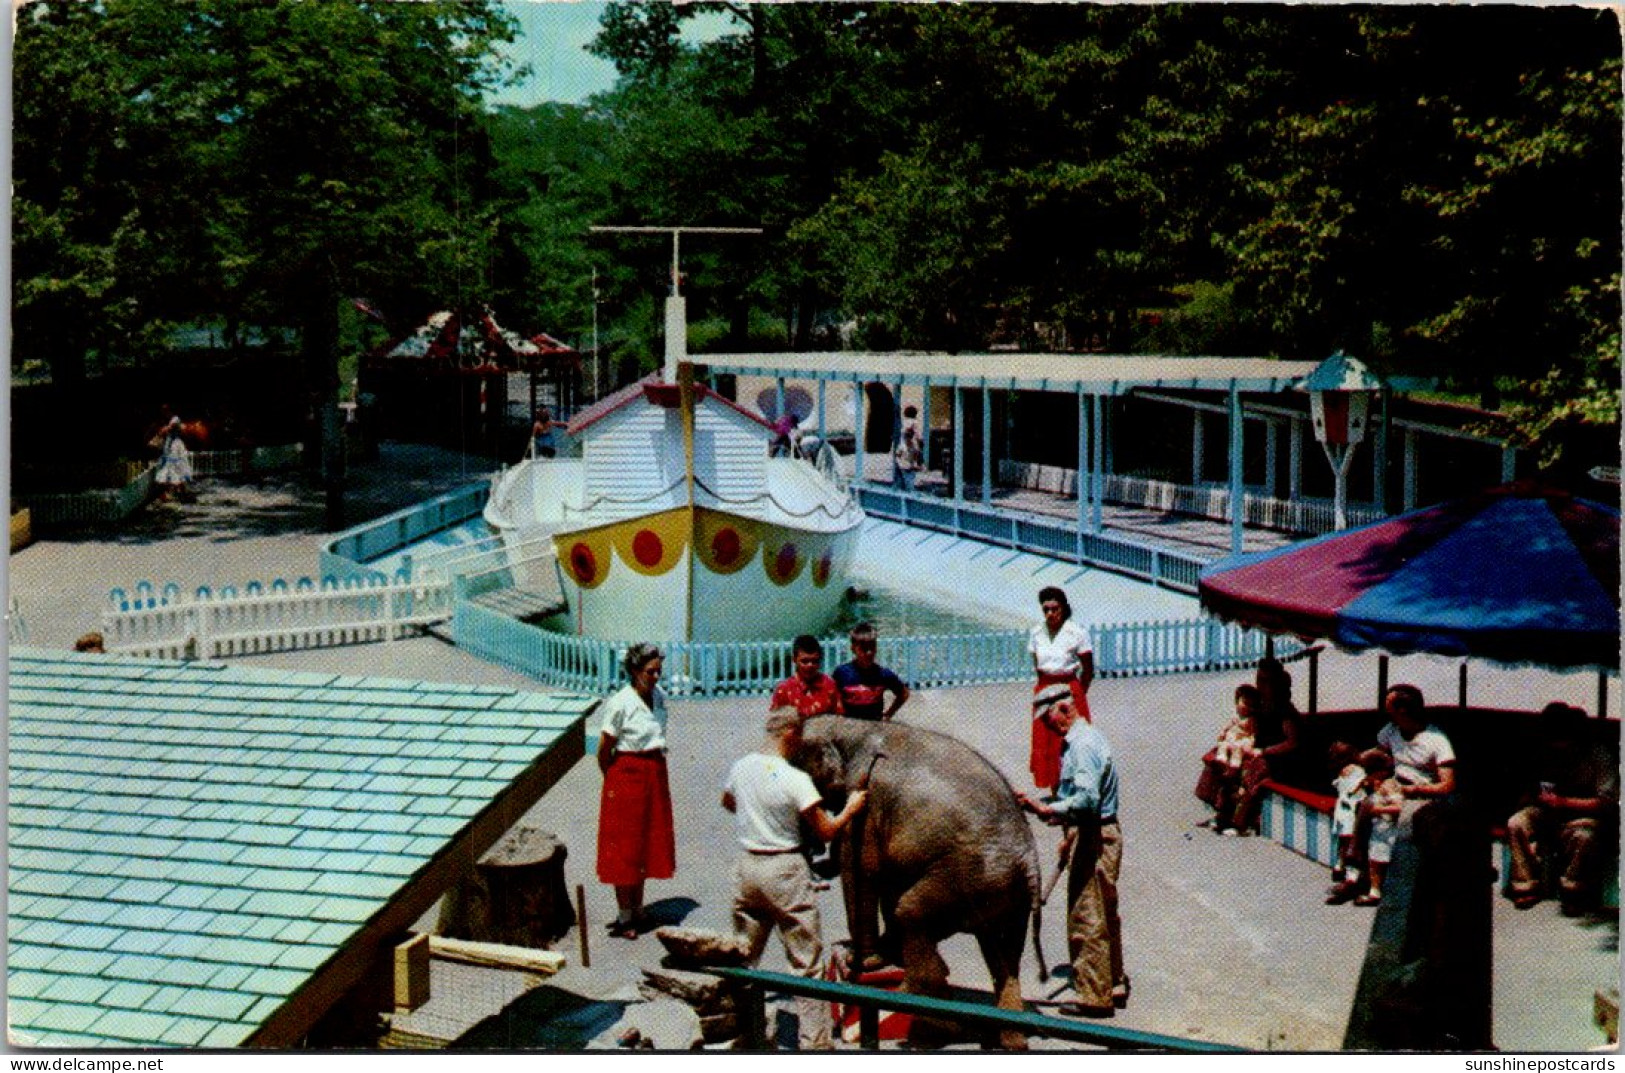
1226,940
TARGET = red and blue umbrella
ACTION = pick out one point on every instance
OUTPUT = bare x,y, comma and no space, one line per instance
1517,574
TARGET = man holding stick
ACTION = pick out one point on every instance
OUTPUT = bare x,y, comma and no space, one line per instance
1086,804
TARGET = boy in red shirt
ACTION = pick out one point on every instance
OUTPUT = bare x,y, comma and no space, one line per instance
809,691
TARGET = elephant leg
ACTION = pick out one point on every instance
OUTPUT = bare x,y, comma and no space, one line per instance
1001,949
862,899
925,973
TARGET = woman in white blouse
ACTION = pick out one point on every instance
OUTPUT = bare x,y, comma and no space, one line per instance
635,836
1061,655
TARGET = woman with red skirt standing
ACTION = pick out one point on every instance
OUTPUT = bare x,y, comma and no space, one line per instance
1061,655
635,837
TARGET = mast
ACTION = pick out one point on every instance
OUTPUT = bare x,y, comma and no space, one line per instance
676,305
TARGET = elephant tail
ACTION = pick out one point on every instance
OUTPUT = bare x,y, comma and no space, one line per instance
1038,941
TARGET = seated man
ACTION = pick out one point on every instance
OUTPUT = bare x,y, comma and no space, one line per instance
1571,811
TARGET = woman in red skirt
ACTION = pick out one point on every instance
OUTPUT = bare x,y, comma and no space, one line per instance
1061,654
635,837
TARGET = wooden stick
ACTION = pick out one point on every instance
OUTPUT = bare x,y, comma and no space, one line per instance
581,924
498,955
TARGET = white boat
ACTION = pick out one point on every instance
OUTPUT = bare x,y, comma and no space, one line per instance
676,524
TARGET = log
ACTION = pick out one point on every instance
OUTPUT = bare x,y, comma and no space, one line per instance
706,993
514,895
412,973
697,946
496,955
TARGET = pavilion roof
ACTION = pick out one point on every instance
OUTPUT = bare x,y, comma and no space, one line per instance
204,855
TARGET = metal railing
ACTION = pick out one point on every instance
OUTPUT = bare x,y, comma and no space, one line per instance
752,985
1057,538
348,553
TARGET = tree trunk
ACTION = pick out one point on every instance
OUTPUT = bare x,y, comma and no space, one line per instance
321,359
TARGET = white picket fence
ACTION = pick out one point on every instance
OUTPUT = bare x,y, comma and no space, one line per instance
168,624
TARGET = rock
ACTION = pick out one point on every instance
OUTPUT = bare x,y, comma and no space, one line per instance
697,946
664,1025
706,993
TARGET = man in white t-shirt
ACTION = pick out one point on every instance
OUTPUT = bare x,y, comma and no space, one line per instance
769,798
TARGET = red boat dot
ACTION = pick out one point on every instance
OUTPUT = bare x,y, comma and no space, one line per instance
583,563
822,567
785,564
647,548
725,547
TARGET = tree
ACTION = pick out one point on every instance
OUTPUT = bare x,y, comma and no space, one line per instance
325,150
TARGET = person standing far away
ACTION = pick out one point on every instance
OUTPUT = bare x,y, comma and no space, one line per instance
1062,655
1086,804
909,456
773,885
635,833
543,435
864,683
809,690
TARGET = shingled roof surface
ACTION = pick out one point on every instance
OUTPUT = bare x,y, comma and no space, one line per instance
189,843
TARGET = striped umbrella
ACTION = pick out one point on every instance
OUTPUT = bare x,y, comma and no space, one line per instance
1516,574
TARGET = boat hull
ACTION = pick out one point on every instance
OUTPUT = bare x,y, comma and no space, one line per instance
699,573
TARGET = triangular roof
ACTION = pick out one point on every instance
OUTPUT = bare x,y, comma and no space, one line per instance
653,391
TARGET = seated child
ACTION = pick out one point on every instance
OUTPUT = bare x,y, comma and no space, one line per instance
1349,782
1236,739
1387,800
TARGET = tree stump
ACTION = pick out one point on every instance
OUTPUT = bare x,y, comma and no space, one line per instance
515,894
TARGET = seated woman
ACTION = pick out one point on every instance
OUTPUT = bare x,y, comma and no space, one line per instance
1225,765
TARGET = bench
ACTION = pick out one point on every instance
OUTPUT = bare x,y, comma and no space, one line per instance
755,983
1492,746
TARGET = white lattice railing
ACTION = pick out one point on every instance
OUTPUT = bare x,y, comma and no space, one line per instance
168,624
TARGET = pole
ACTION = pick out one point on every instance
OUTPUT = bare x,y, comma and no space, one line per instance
597,358
581,924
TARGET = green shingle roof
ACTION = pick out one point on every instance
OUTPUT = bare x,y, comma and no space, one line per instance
188,843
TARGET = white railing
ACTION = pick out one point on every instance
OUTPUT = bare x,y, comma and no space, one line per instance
98,506
239,460
1202,500
166,624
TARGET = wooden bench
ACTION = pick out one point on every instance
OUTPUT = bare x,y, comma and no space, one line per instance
1493,749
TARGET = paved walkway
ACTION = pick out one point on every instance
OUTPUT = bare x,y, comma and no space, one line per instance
1227,940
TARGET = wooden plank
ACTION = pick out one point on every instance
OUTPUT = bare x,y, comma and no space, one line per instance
412,973
496,955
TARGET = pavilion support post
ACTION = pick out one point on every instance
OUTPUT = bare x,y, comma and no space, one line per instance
1602,694
1083,481
1237,505
1379,457
959,443
1409,464
925,422
1196,446
823,434
1461,685
860,416
1271,457
1382,680
1314,680
987,444
1294,459
1097,483
1106,422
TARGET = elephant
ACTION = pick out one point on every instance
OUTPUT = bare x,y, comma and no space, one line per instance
942,848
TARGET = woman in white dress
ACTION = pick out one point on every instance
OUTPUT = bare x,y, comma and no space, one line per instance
174,471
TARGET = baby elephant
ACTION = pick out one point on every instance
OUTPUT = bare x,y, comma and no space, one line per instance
942,848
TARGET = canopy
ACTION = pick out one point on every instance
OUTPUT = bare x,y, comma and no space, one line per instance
1517,574
474,340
